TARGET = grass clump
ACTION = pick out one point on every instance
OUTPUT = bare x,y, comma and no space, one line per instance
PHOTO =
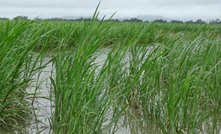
80,106
151,78
171,86
17,68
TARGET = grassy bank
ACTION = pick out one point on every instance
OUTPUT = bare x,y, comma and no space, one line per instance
154,78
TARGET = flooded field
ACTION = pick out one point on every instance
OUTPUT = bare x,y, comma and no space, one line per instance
43,101
107,77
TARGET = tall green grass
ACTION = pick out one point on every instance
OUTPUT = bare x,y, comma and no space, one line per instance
18,65
154,78
171,86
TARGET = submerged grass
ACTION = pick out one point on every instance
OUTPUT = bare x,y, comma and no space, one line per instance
18,65
14,76
171,86
155,78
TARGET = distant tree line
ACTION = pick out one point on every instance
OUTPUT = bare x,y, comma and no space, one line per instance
21,18
4,18
198,21
216,21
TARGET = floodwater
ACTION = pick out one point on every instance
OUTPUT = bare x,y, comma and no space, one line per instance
43,102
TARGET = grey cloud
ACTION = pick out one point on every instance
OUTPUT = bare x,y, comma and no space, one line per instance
124,8
106,3
185,2
45,13
49,4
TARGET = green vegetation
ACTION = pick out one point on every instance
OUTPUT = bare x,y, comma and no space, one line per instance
17,67
154,77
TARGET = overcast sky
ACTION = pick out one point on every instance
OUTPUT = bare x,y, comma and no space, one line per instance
172,9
